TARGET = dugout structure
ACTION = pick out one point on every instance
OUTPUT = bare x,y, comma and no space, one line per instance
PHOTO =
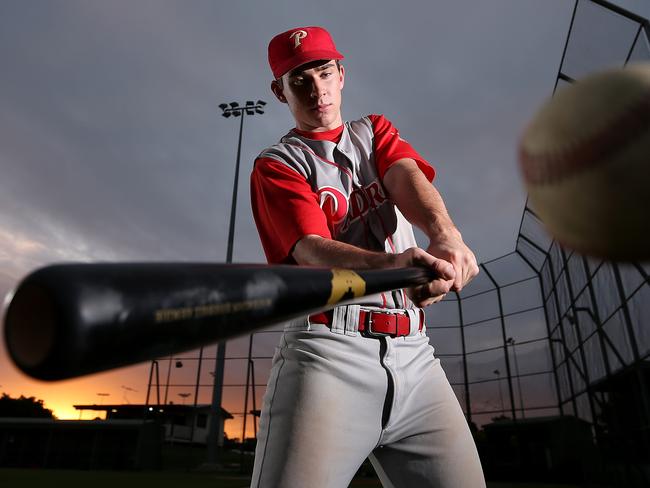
548,351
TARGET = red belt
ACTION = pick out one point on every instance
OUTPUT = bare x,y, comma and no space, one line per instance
375,323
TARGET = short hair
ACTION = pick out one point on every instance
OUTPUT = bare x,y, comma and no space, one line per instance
338,67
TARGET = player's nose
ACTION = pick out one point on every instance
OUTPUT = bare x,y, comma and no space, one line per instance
318,88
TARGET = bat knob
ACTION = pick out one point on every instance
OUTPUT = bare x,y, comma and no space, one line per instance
30,326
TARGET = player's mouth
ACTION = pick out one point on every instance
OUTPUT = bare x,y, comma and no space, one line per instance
322,107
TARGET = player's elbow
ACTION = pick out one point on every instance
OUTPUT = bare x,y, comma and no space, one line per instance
305,251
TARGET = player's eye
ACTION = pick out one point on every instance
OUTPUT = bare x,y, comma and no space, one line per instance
297,81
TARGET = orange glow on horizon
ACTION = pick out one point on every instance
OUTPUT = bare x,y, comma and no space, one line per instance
124,386
172,381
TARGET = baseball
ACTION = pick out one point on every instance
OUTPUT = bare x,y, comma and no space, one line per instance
585,160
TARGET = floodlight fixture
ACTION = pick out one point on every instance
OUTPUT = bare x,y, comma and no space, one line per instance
236,110
226,110
259,107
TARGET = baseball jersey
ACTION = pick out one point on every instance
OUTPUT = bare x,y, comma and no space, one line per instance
330,184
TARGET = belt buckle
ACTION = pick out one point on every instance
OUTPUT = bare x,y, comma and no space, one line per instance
373,333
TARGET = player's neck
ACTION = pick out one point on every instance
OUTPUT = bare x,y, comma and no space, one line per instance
333,135
325,123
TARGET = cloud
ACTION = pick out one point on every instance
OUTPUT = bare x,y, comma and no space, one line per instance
112,146
12,245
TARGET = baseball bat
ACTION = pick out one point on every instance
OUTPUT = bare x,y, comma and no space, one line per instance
68,320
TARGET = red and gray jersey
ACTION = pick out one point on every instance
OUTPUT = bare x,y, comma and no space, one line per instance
330,184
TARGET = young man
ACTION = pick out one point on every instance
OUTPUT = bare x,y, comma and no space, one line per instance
361,380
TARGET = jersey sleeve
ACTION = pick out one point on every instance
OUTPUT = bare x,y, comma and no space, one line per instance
285,209
390,147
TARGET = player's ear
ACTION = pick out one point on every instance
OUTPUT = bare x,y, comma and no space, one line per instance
342,75
277,90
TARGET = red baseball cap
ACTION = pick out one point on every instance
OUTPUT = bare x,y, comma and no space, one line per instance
299,46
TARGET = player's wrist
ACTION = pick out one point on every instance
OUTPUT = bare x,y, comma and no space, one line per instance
442,230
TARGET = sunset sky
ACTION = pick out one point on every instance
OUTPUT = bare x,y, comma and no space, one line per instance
112,146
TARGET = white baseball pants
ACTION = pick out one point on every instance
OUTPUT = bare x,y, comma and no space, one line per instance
334,399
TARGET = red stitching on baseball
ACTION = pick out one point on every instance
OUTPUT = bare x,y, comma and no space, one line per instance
590,153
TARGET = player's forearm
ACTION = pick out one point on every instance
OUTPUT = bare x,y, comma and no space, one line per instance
417,199
317,251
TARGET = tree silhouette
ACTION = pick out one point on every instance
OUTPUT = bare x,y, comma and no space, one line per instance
23,407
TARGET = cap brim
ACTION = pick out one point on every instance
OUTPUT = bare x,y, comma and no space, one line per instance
304,58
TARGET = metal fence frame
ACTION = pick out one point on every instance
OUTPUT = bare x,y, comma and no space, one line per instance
584,354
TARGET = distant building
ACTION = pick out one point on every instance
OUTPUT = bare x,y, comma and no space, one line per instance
182,423
552,449
80,444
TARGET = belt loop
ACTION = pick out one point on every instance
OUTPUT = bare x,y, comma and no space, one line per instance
352,320
338,320
414,320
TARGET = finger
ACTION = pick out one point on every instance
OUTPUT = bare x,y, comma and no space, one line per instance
419,295
460,278
436,299
444,269
439,298
468,270
472,270
429,293
439,287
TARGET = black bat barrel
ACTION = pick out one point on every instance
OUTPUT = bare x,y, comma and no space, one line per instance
67,320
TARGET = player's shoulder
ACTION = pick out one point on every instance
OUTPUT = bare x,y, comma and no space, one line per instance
377,123
283,147
372,118
367,122
290,152
376,117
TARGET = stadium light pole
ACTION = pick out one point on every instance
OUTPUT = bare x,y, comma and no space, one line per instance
102,396
235,110
498,374
511,342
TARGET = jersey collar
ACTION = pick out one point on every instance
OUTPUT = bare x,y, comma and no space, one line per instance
333,135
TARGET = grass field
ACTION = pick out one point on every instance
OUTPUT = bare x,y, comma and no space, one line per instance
38,478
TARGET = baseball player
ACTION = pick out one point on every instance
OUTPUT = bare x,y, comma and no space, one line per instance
360,380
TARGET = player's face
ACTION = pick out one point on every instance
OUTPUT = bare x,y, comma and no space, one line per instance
313,93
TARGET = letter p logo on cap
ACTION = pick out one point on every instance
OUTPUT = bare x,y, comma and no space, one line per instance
297,36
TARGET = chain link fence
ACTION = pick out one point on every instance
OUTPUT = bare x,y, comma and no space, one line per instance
547,350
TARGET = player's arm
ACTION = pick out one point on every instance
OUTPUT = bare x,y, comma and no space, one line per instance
293,228
315,250
422,205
